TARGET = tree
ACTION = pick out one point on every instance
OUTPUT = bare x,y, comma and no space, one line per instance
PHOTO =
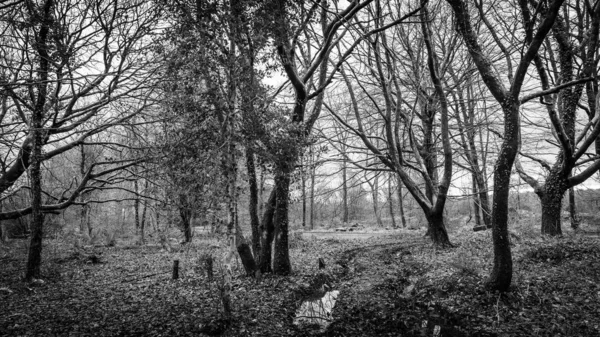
575,36
82,98
466,95
301,73
212,93
53,101
508,98
385,107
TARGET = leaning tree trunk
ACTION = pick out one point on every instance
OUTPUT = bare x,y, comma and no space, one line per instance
281,259
244,251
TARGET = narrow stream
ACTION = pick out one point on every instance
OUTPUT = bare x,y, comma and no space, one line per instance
317,312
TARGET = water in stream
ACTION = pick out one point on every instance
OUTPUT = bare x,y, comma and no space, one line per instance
317,312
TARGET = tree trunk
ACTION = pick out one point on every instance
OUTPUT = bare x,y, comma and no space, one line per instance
267,234
476,201
144,210
501,275
35,247
375,193
136,205
401,203
3,233
573,209
186,217
34,259
345,217
551,195
484,203
436,229
312,193
245,252
83,221
281,259
143,223
303,177
391,201
551,209
253,201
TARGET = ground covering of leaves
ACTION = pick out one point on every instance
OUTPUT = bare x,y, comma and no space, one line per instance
389,286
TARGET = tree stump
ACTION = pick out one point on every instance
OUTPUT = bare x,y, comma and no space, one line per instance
208,267
321,263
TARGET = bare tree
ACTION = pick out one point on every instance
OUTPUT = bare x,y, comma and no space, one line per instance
410,151
63,65
508,98
574,41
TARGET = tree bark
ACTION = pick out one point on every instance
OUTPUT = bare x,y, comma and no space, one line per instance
391,201
551,195
437,229
484,203
136,205
375,195
476,201
186,216
267,234
312,190
501,275
573,209
245,253
84,227
401,203
253,201
345,215
551,212
303,177
281,259
34,259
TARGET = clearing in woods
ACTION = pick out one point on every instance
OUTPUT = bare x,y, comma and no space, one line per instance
389,285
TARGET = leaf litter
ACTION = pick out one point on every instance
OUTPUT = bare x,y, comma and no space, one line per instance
388,286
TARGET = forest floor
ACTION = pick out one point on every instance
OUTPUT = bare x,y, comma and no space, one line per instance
396,285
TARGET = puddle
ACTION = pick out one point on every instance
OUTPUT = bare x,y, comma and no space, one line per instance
317,312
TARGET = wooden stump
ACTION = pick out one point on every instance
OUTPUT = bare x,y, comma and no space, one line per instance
175,269
208,267
321,263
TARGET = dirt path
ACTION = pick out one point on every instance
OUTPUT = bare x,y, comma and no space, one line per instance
376,294
348,235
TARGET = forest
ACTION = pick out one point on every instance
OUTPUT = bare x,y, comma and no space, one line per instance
299,167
